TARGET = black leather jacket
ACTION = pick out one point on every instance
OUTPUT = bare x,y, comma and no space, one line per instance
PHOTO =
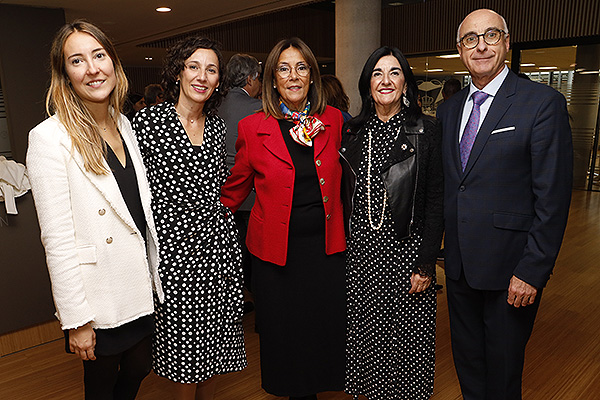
414,182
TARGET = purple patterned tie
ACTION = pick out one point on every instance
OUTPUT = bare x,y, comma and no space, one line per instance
468,137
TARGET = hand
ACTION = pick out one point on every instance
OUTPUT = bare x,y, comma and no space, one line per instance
419,283
520,293
82,341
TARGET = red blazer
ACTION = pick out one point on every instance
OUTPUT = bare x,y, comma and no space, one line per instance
263,162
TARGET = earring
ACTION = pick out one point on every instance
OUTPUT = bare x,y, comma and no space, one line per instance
405,100
311,82
274,87
216,89
177,82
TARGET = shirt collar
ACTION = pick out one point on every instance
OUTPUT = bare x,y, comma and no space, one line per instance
492,87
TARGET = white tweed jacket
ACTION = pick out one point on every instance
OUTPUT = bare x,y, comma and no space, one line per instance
101,269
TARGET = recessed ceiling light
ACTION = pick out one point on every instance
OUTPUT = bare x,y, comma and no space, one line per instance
528,65
163,9
434,70
148,58
449,56
461,73
547,67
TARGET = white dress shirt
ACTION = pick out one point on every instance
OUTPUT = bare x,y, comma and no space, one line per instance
491,89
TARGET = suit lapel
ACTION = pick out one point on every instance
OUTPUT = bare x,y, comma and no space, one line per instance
454,128
320,141
273,140
500,105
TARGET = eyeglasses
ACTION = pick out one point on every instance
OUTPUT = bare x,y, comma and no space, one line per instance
284,70
490,37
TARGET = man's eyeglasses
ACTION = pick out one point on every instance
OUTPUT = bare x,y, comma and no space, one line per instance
285,70
490,37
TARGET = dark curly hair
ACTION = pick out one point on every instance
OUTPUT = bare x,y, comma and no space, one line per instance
175,62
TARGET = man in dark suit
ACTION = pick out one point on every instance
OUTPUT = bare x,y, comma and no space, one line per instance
243,85
507,155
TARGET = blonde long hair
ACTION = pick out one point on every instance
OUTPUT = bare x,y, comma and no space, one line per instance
68,106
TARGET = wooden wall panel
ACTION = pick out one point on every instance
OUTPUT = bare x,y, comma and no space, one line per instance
258,34
140,77
430,27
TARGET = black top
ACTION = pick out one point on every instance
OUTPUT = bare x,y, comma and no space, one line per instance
307,199
127,181
428,195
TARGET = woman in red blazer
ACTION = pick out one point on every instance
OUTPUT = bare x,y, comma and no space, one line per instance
288,153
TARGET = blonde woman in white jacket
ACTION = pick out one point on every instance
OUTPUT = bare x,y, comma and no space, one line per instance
93,205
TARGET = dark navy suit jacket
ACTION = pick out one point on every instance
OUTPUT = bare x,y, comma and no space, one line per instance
236,106
506,214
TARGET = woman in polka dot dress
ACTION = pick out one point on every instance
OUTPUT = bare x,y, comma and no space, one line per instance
198,327
393,188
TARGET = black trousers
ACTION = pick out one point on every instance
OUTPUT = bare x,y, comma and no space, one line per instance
118,376
488,340
241,220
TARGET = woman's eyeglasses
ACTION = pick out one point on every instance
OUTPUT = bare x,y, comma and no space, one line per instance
285,70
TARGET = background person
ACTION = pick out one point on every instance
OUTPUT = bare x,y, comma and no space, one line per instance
335,95
154,94
508,162
93,205
393,191
134,103
451,87
242,85
198,328
288,152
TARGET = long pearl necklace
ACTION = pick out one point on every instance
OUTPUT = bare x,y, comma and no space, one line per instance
380,224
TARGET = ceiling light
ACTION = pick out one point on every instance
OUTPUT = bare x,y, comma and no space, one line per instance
449,56
547,67
461,73
589,72
434,70
148,58
528,65
163,9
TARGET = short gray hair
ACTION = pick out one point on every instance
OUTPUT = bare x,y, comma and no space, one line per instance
504,26
239,68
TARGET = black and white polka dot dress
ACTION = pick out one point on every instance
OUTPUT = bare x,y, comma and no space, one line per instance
391,334
198,327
